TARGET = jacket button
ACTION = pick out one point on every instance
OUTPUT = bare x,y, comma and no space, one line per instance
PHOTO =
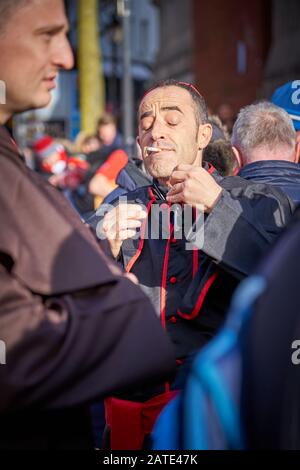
173,240
173,319
173,280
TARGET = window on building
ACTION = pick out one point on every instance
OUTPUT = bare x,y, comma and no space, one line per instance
144,37
241,58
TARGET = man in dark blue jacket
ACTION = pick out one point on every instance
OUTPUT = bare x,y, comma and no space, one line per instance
190,280
264,142
191,286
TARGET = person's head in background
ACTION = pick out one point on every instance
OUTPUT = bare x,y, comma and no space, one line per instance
263,131
227,116
288,97
51,156
87,143
219,152
33,48
107,128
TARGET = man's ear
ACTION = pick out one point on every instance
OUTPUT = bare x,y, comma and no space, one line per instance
238,156
297,151
137,141
204,135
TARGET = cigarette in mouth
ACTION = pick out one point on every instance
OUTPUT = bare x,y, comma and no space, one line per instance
147,150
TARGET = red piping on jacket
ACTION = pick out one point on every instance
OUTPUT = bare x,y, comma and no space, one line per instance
165,274
211,168
195,269
164,282
143,228
195,250
201,298
195,262
142,240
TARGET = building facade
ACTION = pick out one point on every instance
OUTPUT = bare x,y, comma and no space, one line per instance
234,51
175,58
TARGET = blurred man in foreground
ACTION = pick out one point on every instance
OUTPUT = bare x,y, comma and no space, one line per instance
74,328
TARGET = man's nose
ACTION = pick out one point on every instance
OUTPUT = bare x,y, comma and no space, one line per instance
158,130
63,56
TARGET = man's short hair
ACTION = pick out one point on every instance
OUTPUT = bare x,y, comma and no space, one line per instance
7,7
219,153
106,118
262,125
198,100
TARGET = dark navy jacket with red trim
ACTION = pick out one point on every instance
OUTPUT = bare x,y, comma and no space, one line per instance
191,289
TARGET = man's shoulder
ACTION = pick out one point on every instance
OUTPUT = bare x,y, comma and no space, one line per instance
237,182
253,190
140,194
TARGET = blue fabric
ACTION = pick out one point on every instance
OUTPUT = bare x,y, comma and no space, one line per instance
288,98
285,175
125,181
115,194
166,434
207,415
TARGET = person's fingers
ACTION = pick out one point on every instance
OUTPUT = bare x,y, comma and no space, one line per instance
177,188
131,210
178,177
128,223
125,213
121,223
120,215
118,230
185,172
125,234
178,197
183,192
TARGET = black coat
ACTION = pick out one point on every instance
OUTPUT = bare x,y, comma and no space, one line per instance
191,289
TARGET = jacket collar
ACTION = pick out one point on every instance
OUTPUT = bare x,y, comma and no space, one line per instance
284,175
270,170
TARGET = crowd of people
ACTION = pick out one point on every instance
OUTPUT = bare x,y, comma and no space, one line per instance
106,306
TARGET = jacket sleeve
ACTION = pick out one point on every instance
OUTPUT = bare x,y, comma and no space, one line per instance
71,349
242,226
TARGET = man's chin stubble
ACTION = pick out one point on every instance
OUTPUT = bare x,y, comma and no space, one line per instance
160,171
